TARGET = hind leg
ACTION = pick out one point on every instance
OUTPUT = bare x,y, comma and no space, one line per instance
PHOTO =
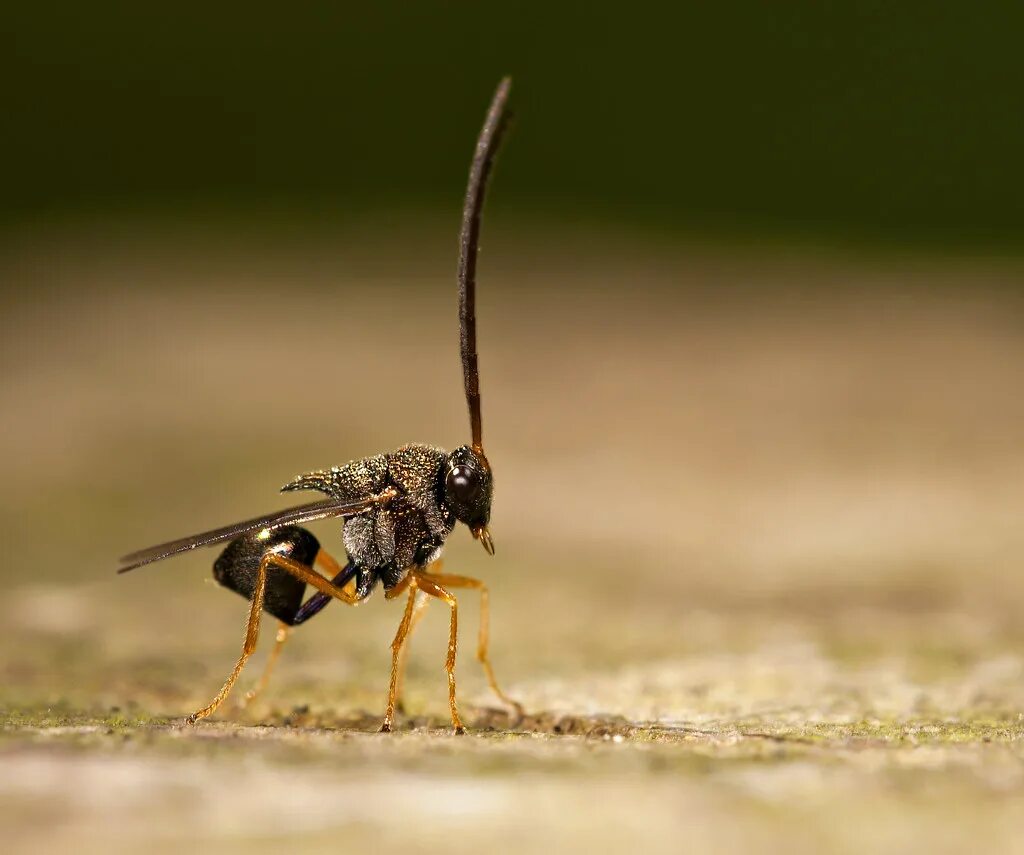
313,606
252,634
252,631
283,630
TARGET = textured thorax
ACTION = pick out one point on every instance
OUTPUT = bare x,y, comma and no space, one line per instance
411,529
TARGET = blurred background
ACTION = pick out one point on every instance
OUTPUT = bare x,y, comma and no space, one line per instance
890,122
751,334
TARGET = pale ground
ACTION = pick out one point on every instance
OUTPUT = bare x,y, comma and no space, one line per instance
759,536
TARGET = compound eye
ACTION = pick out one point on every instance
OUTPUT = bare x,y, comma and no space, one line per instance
463,483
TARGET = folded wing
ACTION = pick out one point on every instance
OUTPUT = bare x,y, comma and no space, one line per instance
289,516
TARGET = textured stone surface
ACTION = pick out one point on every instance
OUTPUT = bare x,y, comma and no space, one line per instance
758,579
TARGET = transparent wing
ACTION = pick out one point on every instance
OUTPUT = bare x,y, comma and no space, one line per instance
289,516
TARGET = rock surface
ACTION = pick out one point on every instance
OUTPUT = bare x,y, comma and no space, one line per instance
758,580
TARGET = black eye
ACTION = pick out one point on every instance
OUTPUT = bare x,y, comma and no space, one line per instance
463,483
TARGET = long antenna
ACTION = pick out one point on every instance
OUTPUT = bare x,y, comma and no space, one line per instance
469,239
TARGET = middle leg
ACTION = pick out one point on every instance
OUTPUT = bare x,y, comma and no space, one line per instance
396,649
417,616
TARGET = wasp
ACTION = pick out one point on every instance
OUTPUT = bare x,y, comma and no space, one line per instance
397,511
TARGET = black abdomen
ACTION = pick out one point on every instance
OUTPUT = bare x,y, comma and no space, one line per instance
238,565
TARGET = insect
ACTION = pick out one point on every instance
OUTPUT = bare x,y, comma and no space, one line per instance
397,509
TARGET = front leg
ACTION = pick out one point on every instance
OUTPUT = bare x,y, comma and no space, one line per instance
483,640
434,589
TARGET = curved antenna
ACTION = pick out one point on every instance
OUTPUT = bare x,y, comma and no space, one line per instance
469,239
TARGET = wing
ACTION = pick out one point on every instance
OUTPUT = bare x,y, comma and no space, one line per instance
289,516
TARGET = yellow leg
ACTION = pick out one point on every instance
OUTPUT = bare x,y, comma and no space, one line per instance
310,577
396,648
326,562
417,616
252,632
433,589
282,636
483,639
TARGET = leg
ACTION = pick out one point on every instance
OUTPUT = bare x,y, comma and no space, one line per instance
310,577
396,651
433,589
275,654
484,637
417,615
252,632
341,577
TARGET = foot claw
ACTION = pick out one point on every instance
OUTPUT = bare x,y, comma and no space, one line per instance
385,727
460,730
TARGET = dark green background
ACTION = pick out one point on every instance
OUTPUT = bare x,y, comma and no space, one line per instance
880,120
